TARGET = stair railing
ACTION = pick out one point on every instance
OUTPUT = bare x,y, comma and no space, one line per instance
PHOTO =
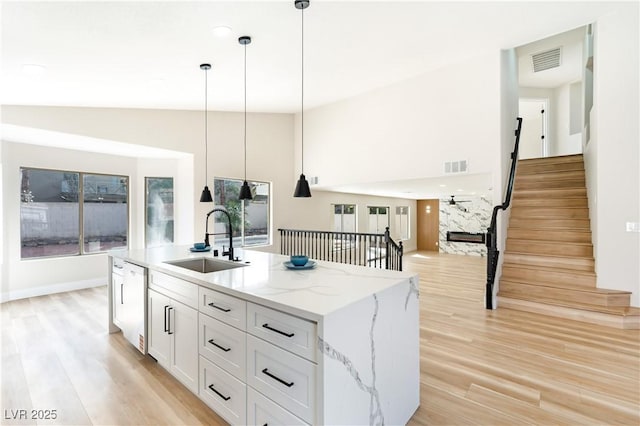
492,232
354,248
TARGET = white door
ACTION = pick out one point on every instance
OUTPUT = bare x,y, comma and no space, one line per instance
159,340
533,138
183,328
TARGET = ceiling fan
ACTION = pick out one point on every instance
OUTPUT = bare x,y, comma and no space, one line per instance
453,202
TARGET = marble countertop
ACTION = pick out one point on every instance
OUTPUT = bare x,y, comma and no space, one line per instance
311,293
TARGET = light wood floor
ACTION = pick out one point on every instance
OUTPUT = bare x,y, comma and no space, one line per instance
477,366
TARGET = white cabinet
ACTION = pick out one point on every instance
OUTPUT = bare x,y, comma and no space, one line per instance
159,345
263,411
173,329
283,377
128,293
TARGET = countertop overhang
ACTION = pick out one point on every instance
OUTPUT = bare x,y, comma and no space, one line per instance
311,293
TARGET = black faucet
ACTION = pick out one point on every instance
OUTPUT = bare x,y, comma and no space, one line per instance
206,232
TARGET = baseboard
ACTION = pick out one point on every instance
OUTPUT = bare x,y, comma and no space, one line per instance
51,289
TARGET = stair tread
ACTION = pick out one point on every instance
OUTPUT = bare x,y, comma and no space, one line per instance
554,256
555,158
613,310
540,242
547,269
577,288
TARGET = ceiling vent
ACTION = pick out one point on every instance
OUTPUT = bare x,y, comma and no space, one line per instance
546,60
459,166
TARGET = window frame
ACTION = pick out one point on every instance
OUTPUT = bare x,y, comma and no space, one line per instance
242,235
378,214
81,201
399,216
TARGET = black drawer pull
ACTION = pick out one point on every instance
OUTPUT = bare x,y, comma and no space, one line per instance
218,346
265,325
265,371
213,305
169,320
226,398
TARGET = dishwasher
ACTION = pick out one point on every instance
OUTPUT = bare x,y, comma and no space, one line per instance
133,299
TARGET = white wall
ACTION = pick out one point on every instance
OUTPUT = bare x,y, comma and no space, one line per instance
409,129
25,278
269,142
614,191
509,93
566,142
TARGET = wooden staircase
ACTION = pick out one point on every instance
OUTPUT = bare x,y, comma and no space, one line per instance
548,260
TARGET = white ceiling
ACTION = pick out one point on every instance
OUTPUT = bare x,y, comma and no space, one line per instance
147,54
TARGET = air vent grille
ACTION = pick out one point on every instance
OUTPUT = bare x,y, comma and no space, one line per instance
459,166
546,60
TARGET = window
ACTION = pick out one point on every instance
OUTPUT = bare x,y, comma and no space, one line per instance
402,222
378,219
344,220
344,217
249,219
69,213
158,211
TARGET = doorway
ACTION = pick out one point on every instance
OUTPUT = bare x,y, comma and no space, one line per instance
428,221
534,142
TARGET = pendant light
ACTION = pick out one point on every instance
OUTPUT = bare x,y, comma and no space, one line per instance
205,197
245,191
302,187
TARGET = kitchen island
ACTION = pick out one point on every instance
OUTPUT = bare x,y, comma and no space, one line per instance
334,344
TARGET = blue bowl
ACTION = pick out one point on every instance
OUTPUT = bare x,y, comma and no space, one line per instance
299,260
199,246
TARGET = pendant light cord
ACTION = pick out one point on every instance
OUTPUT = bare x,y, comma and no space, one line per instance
302,92
245,112
206,130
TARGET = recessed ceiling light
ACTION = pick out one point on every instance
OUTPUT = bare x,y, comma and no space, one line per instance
221,31
33,69
460,190
443,185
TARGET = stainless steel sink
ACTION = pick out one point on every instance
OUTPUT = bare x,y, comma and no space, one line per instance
205,265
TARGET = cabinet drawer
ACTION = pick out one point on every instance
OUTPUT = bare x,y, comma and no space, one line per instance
282,376
226,346
225,394
177,289
263,411
223,307
291,333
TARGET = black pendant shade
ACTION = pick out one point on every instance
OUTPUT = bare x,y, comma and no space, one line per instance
245,192
205,197
302,188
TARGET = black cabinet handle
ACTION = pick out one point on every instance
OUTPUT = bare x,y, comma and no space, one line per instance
266,371
265,325
117,266
213,305
226,398
218,346
169,321
165,318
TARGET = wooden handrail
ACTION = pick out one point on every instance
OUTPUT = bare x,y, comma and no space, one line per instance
492,232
